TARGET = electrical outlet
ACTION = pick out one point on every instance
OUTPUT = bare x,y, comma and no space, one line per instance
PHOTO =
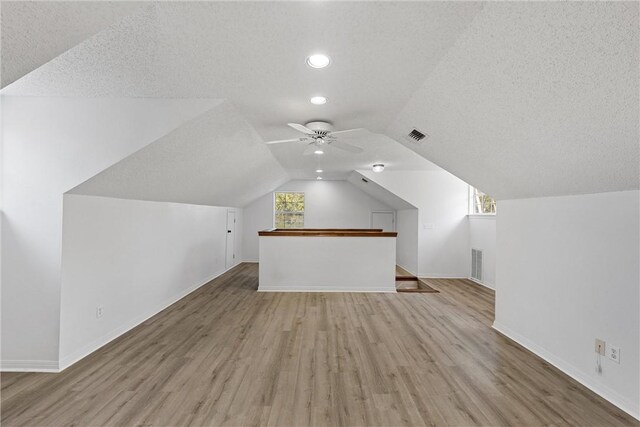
600,346
99,312
613,353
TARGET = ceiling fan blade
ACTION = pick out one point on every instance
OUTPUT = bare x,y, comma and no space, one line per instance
349,131
301,128
282,141
346,147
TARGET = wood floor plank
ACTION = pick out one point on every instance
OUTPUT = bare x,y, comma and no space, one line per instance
228,355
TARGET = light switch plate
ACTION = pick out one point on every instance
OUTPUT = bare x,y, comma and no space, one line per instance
600,346
613,353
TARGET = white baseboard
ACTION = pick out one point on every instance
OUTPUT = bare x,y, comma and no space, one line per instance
298,288
486,285
436,276
632,408
83,352
29,366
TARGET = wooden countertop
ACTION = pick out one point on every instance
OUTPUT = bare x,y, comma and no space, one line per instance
328,232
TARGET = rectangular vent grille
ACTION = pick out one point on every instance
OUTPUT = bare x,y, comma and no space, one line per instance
416,136
476,264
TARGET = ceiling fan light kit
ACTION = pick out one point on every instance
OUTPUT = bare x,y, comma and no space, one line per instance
319,134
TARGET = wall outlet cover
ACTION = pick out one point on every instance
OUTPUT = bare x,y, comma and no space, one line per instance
613,353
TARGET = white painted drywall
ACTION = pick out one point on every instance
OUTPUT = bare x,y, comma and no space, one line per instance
443,204
49,146
568,273
328,204
327,264
132,258
378,192
482,235
407,240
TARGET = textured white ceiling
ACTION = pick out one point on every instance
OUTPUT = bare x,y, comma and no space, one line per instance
215,159
378,192
33,32
253,53
520,99
338,164
535,99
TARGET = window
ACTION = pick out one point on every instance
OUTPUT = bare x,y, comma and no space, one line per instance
289,210
481,204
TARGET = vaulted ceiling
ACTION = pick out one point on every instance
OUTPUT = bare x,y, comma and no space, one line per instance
519,99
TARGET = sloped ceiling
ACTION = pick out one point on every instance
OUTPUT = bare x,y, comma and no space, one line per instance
378,192
337,164
253,53
215,159
535,99
520,99
34,33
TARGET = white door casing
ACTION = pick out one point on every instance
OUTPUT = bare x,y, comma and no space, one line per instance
231,239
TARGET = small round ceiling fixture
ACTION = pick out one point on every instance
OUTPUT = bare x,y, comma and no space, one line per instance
318,100
319,178
378,167
318,60
319,171
318,152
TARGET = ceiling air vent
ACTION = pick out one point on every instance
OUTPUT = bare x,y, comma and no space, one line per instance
364,180
416,136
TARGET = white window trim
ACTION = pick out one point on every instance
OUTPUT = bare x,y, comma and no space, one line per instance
471,206
273,205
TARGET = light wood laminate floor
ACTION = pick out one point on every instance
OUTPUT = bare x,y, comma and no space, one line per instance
228,355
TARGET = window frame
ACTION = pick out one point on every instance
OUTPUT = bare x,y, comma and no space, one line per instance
276,212
472,203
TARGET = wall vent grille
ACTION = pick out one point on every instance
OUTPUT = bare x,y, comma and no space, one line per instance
476,264
416,136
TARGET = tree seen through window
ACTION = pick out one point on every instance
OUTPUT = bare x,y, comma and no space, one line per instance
289,210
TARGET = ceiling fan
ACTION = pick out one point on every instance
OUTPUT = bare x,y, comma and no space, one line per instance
319,135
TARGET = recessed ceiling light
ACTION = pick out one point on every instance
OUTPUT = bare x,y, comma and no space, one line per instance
378,167
318,60
318,100
319,171
318,152
319,178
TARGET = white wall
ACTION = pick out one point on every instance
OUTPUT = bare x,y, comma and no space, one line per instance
443,203
132,258
568,273
353,264
407,240
482,235
49,146
328,204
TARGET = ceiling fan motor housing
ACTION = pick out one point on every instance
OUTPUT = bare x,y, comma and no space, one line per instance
320,128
